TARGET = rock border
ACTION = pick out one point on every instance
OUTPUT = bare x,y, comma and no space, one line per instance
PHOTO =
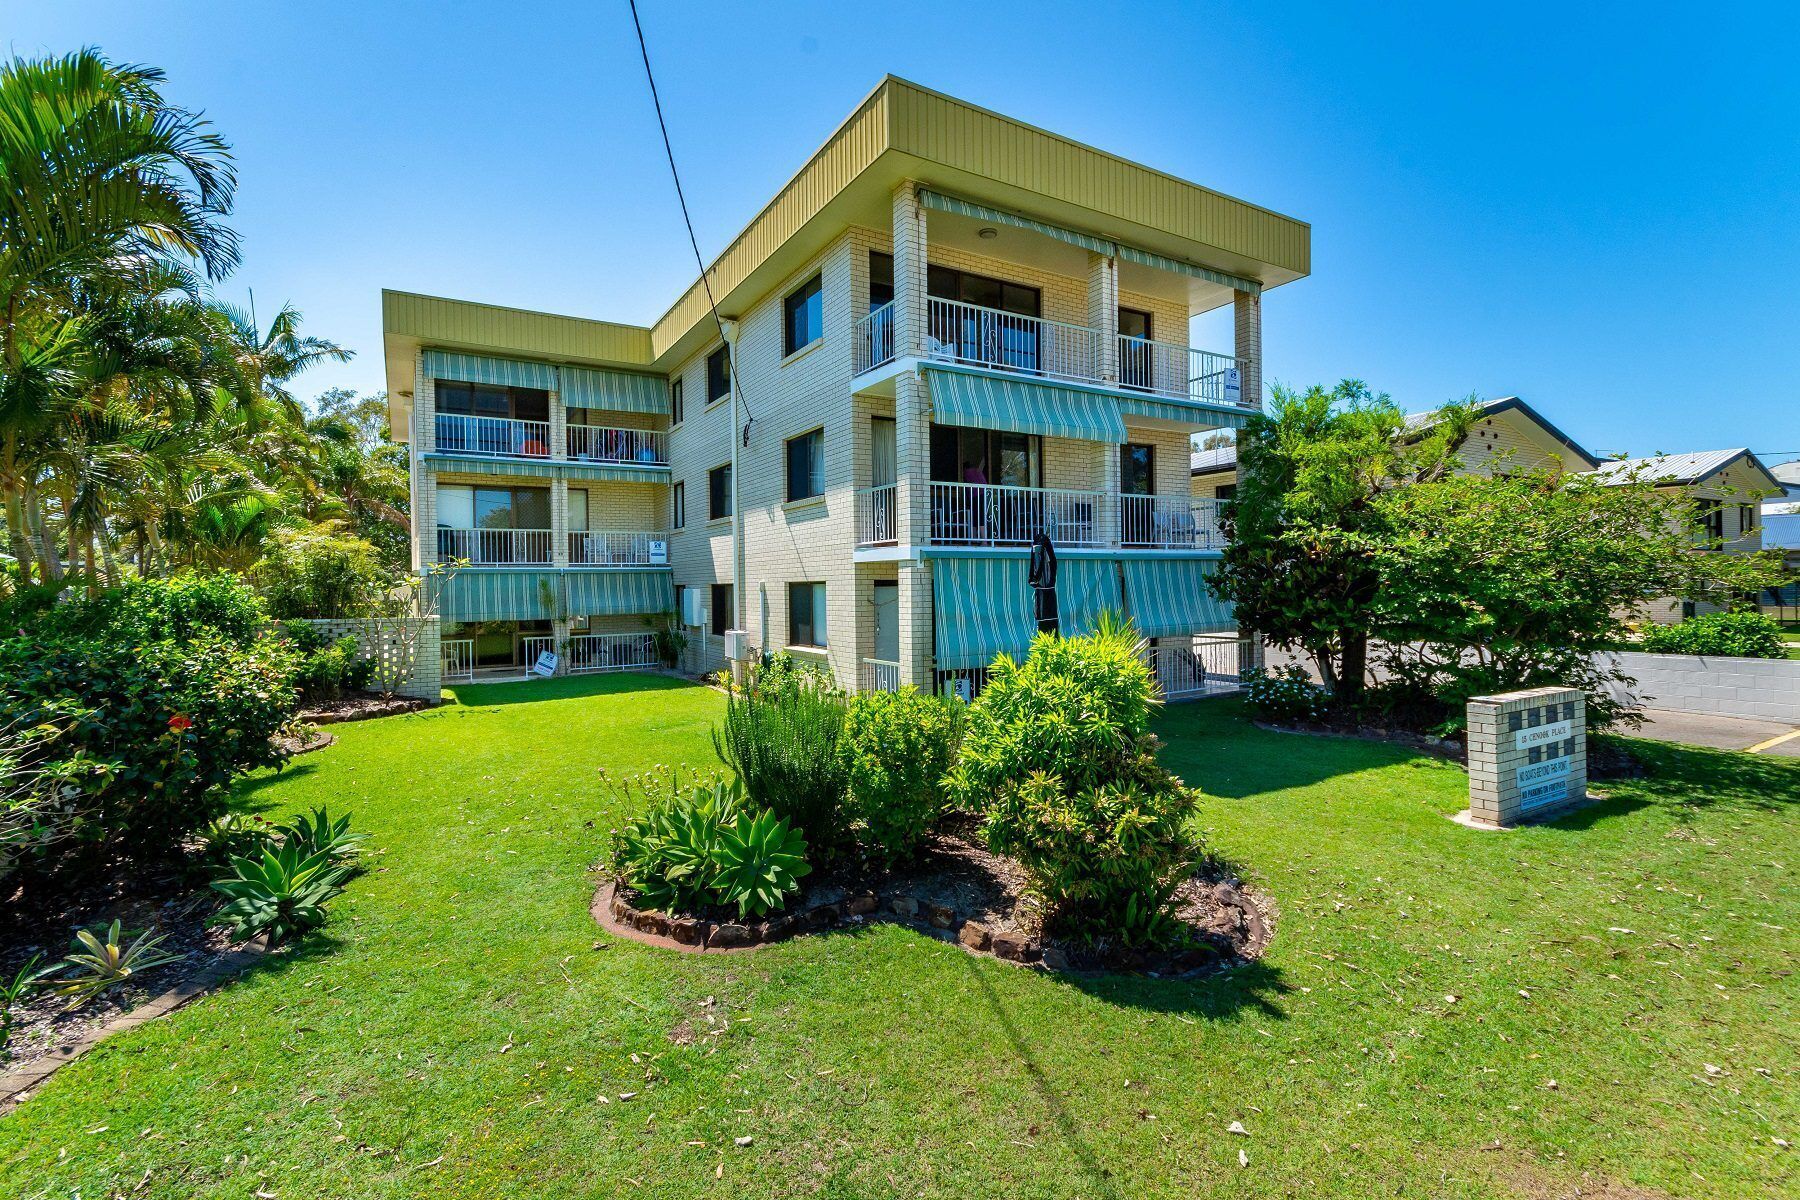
17,1085
697,935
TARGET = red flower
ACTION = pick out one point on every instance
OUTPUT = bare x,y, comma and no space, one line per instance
180,723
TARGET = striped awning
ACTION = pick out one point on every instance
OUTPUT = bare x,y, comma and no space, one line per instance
1087,241
612,591
1169,596
1175,410
502,372
620,391
1023,406
469,464
476,594
983,608
1086,587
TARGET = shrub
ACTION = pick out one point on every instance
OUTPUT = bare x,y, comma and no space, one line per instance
896,748
1285,695
780,737
323,572
1727,634
279,891
1059,756
702,845
327,669
176,609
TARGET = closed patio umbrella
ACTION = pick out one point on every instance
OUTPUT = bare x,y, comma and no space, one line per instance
1043,583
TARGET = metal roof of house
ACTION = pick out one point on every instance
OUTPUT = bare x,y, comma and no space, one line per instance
1787,472
1691,467
1214,461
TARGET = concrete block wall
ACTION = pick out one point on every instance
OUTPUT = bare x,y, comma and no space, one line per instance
1758,688
409,647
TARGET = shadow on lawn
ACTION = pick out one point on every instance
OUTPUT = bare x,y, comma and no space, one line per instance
567,687
1693,778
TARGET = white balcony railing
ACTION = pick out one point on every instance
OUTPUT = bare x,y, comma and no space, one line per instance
874,338
979,514
459,658
1203,667
1171,369
879,675
616,548
495,547
611,652
531,647
599,443
969,333
499,437
875,515
1170,523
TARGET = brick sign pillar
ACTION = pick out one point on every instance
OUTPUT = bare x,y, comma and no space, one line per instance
1527,755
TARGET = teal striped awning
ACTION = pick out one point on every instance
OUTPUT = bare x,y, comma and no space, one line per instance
612,591
475,594
1087,241
620,391
1175,410
477,368
983,607
1086,587
1169,596
1022,406
468,464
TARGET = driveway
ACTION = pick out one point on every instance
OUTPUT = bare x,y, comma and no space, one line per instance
1723,733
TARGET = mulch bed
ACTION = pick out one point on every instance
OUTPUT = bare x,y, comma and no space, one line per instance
960,892
362,707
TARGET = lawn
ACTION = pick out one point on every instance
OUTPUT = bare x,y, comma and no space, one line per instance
1605,1002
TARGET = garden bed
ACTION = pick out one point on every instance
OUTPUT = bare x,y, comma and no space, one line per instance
959,892
362,707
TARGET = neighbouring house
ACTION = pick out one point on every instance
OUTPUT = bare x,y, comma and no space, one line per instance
948,333
1507,435
1727,486
1781,531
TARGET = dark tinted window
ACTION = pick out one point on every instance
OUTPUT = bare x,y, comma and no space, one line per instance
721,614
676,401
678,506
881,279
1137,469
718,374
718,492
806,465
803,315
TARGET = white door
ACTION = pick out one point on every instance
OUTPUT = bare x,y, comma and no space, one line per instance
887,620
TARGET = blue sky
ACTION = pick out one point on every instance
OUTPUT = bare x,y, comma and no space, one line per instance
1595,210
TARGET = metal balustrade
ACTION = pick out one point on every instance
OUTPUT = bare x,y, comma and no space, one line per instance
875,515
1205,666
988,337
879,675
980,514
1172,369
600,443
531,647
617,548
1170,523
459,658
874,338
497,437
611,652
495,547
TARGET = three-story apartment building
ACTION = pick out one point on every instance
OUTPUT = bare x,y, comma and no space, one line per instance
949,332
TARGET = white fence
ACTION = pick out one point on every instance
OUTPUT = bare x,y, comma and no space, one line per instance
969,333
487,547
981,514
875,520
611,652
874,338
599,443
614,548
459,659
494,436
1209,666
1170,522
878,675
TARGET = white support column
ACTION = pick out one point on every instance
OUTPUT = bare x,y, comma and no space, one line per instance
1103,310
424,477
1246,312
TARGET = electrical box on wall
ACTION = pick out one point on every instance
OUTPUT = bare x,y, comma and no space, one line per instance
692,610
737,645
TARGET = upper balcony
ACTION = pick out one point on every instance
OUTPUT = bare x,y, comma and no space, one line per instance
506,437
970,514
971,335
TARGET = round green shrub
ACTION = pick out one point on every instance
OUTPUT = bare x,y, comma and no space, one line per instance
896,748
1726,634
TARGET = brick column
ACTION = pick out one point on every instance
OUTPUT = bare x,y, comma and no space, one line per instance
1527,755
1246,312
424,477
910,320
559,523
1112,507
559,428
915,623
1103,311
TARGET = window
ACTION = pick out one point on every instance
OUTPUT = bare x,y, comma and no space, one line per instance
1137,469
1137,364
1746,519
961,455
718,374
462,506
722,611
1134,323
806,465
948,284
678,506
490,400
881,279
803,317
1710,518
806,614
718,492
675,402
1225,491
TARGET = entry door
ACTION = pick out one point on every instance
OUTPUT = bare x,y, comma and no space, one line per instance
887,620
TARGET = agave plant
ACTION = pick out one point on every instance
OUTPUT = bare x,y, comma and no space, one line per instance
279,892
319,834
97,965
759,859
668,854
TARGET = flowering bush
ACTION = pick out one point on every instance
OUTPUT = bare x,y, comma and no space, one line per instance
1286,694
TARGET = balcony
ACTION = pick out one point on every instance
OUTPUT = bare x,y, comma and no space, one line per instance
875,515
492,437
986,337
495,547
1170,523
978,514
600,444
614,548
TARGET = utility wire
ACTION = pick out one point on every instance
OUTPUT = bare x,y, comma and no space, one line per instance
681,196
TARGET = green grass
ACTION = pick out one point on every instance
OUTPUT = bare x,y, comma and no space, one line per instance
451,1032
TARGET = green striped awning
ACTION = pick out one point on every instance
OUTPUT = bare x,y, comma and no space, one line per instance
983,608
1145,258
502,372
461,464
1022,406
1169,596
620,391
475,594
1086,587
611,591
1175,410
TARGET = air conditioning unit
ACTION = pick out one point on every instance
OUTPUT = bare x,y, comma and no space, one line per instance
737,645
693,611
